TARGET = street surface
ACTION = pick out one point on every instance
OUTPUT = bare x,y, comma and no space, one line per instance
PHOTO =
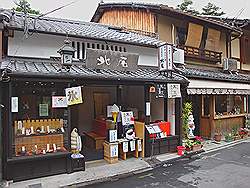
226,168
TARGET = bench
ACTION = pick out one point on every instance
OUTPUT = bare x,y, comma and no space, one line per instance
94,140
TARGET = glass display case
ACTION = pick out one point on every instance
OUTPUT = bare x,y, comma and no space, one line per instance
39,137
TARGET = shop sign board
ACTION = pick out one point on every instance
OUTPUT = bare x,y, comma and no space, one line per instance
113,60
161,90
127,118
59,102
114,150
132,145
165,58
74,95
139,145
174,90
14,104
125,146
112,135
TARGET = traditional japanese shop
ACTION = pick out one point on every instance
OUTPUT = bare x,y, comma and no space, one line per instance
224,105
112,98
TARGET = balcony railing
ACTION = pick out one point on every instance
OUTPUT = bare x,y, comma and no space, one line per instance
201,54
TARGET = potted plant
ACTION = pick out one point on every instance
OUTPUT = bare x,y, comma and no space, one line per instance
243,132
235,133
197,143
188,144
228,137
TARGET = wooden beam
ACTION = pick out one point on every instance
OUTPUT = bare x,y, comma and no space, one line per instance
212,115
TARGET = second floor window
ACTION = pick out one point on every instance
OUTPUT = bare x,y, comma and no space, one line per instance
181,35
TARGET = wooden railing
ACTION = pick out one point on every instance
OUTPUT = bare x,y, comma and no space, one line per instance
201,54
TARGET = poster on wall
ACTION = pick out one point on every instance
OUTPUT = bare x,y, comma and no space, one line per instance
59,102
43,110
74,95
14,104
127,118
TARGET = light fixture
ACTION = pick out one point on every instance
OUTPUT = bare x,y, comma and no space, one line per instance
66,52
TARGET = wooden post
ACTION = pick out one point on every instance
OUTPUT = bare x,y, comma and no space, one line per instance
10,131
212,115
146,100
165,109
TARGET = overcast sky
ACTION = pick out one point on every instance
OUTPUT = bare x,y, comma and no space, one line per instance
84,9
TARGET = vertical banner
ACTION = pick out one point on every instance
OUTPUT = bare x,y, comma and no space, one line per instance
74,95
14,104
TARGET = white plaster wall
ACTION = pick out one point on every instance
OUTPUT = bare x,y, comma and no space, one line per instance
171,115
44,46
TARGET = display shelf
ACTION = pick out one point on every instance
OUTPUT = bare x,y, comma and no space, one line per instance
32,135
229,116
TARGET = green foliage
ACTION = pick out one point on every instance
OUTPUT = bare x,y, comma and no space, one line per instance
185,6
187,109
212,9
24,6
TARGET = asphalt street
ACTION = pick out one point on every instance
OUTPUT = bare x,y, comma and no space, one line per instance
226,168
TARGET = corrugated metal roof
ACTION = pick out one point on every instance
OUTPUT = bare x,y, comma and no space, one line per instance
48,68
83,29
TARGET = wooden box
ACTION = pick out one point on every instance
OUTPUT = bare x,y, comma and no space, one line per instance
111,152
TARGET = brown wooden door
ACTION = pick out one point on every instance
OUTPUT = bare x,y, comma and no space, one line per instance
101,100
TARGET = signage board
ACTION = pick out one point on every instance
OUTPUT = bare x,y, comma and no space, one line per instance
74,95
174,90
165,58
113,60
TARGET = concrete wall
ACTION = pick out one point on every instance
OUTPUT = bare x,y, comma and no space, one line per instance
44,46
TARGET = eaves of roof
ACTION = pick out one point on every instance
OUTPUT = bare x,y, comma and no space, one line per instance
45,68
80,29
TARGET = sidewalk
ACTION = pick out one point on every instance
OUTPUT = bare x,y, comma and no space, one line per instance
102,171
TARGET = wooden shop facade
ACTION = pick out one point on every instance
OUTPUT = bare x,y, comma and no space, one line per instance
109,67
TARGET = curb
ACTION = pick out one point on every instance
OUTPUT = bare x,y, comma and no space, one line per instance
109,178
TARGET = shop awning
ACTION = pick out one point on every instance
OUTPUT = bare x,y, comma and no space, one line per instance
217,87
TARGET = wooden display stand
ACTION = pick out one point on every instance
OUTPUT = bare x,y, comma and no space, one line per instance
136,153
109,155
140,133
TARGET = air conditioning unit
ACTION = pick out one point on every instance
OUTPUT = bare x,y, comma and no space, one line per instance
178,56
229,64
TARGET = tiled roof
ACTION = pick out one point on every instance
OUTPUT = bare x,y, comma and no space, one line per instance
160,9
216,75
74,28
48,68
